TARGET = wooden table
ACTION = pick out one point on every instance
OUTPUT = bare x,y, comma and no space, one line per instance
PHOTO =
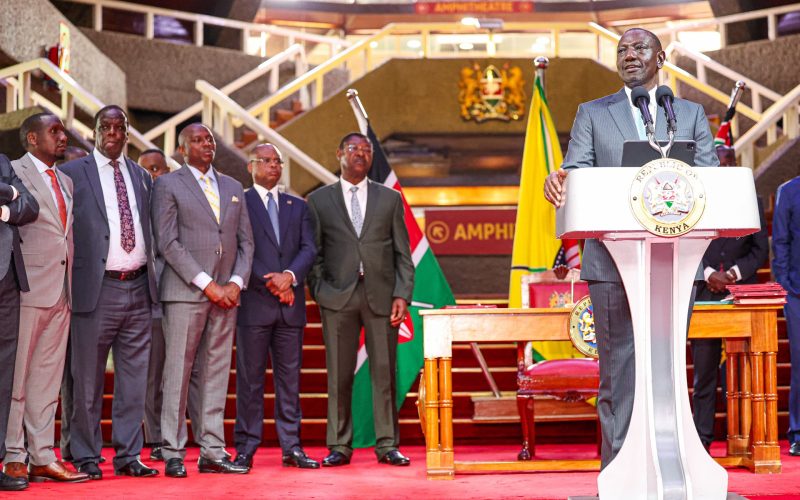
751,345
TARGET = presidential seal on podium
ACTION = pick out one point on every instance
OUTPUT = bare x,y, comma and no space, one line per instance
667,197
581,328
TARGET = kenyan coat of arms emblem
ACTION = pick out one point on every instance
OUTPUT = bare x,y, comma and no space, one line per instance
581,328
667,197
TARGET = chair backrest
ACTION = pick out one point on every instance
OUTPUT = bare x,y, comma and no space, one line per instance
572,379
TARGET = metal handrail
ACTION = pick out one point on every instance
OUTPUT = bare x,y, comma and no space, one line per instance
271,66
218,113
786,109
199,20
20,96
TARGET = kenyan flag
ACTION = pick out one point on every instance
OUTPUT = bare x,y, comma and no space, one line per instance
430,291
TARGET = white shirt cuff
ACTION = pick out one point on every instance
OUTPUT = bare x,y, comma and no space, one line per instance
16,193
736,271
202,280
5,213
238,280
707,272
294,278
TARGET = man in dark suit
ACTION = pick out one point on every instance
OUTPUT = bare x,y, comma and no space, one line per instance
600,129
17,207
273,312
203,233
727,261
112,293
363,278
786,269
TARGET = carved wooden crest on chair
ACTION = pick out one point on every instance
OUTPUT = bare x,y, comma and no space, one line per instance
559,387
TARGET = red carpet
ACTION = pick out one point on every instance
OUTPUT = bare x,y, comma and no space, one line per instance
365,478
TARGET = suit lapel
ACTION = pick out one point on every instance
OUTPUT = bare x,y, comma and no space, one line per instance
620,110
66,190
90,170
284,214
256,205
338,201
194,187
226,194
136,180
373,195
35,178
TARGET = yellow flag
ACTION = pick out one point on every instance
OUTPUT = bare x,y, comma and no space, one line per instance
535,244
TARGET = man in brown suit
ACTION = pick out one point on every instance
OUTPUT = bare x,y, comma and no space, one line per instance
45,310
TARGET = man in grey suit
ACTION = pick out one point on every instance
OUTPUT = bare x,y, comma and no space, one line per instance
112,293
596,140
17,208
363,278
45,309
203,233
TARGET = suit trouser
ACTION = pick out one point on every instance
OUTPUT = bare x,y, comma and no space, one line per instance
66,402
121,323
791,312
199,336
706,355
615,347
341,330
9,332
283,344
155,373
37,377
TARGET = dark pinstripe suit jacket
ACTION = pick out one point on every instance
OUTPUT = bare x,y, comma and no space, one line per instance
600,129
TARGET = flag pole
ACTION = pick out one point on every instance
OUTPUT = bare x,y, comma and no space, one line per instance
358,110
541,63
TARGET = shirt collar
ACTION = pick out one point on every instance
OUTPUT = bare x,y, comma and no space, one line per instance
102,161
652,93
197,173
262,192
347,185
39,164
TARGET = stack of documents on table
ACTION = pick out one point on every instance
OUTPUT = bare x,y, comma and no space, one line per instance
761,293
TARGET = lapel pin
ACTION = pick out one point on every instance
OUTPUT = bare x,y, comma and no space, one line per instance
288,202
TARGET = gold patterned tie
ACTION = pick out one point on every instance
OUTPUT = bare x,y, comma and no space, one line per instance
211,196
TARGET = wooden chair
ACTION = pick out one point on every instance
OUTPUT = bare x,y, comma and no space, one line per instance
563,386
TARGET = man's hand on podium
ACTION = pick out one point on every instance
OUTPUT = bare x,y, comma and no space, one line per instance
554,187
718,280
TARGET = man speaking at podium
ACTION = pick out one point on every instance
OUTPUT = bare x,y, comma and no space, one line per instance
598,133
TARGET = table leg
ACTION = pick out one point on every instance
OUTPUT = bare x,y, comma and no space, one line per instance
765,451
734,403
435,461
446,413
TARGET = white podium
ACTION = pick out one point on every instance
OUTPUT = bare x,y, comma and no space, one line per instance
662,456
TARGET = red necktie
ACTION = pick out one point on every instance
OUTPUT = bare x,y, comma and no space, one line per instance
62,206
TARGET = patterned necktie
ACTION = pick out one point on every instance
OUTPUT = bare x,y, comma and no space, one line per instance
272,211
62,206
127,233
211,196
355,209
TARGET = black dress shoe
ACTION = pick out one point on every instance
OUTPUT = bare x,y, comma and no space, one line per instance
335,459
155,454
298,458
174,468
136,469
8,483
394,457
223,466
794,449
92,470
244,460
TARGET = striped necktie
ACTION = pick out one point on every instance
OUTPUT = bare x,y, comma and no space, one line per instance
272,211
211,196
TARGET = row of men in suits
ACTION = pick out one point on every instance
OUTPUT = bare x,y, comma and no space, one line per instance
98,229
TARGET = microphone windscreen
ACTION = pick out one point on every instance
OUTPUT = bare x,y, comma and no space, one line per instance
639,93
662,92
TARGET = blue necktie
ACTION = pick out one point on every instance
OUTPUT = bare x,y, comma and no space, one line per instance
272,211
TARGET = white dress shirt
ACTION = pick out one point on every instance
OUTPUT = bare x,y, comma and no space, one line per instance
202,279
262,193
118,259
361,195
652,106
43,168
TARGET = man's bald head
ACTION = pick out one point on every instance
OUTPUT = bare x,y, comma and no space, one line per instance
265,165
197,146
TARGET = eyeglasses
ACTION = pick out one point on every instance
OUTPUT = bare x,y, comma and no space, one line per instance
352,148
263,161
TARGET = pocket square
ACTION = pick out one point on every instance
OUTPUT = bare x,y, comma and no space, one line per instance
235,199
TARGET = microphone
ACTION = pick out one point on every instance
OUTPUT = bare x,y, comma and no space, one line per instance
664,98
641,99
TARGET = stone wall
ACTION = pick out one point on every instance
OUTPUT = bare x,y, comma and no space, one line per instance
28,26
